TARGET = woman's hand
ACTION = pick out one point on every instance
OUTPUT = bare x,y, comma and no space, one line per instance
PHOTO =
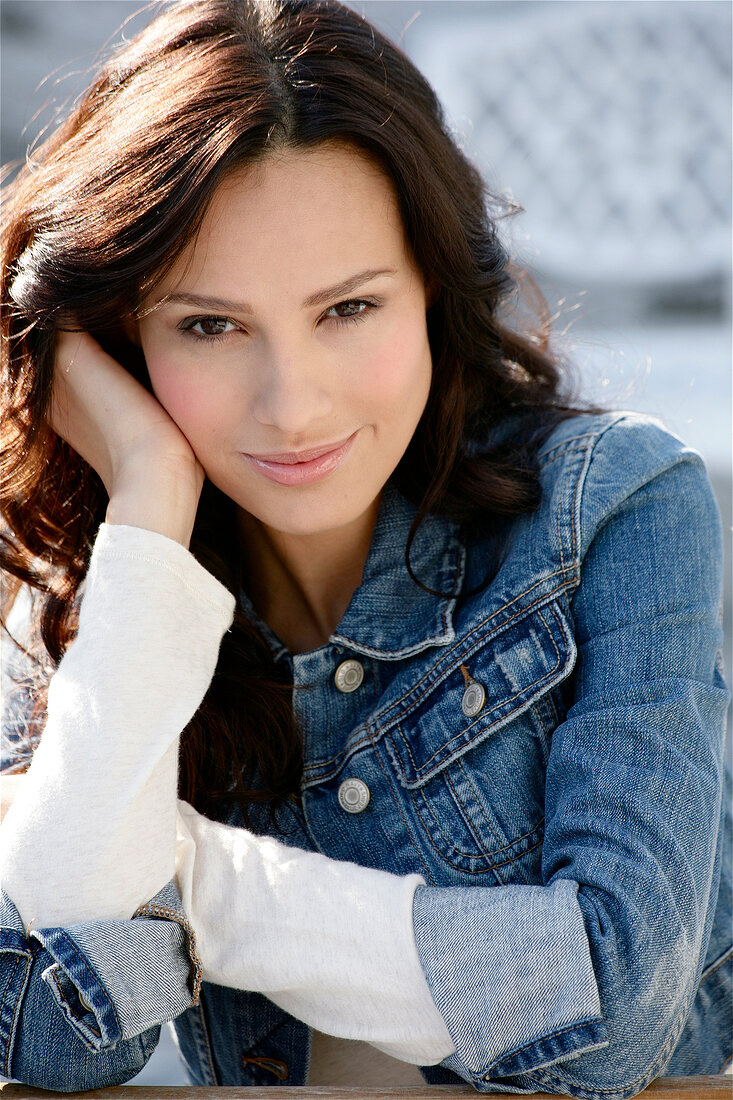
151,474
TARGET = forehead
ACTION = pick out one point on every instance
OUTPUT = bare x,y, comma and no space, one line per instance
297,218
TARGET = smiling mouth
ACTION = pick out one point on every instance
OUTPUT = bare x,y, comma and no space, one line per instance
289,458
301,467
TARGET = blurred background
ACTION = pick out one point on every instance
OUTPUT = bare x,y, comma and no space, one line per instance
607,121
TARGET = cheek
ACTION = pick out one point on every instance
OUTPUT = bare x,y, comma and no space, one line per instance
188,399
398,370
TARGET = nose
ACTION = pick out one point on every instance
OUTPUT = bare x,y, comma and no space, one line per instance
293,391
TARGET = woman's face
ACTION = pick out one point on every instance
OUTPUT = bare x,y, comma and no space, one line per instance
289,342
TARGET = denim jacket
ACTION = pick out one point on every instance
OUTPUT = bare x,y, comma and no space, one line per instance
545,750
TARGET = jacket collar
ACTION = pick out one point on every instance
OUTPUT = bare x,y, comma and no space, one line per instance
390,617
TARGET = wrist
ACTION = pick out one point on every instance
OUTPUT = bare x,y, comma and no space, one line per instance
163,499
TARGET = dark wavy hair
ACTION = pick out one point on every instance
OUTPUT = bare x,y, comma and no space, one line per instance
105,206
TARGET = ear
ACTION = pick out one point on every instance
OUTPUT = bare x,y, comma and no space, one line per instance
432,290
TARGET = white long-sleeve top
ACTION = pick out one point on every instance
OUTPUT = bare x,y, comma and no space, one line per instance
92,832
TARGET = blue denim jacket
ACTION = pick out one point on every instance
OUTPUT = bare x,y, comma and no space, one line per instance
547,751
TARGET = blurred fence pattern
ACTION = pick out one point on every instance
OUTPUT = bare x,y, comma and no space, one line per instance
610,122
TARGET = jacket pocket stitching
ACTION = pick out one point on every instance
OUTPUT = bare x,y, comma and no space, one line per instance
481,850
314,772
428,874
420,771
554,716
474,640
442,855
491,864
467,778
536,845
504,847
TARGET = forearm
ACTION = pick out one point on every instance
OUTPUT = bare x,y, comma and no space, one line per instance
328,941
91,833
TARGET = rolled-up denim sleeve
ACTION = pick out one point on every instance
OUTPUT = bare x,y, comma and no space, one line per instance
81,1007
582,984
506,943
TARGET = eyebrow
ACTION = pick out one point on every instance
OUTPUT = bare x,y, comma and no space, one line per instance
320,297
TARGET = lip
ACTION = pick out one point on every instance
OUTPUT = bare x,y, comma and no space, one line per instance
301,467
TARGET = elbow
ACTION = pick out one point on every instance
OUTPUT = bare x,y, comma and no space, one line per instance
618,1071
645,1004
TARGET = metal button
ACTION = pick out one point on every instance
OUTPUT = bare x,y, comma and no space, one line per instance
473,699
348,676
353,796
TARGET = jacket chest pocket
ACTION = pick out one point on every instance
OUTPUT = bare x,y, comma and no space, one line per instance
470,750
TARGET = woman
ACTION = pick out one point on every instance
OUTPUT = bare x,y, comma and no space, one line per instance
450,719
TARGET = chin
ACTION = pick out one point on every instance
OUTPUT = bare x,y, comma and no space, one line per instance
305,514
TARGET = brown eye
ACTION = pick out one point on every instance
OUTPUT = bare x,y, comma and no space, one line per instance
211,326
351,309
208,327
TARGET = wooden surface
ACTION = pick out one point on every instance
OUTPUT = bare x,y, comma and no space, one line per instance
665,1088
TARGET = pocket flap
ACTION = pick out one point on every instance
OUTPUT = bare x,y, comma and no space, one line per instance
513,666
